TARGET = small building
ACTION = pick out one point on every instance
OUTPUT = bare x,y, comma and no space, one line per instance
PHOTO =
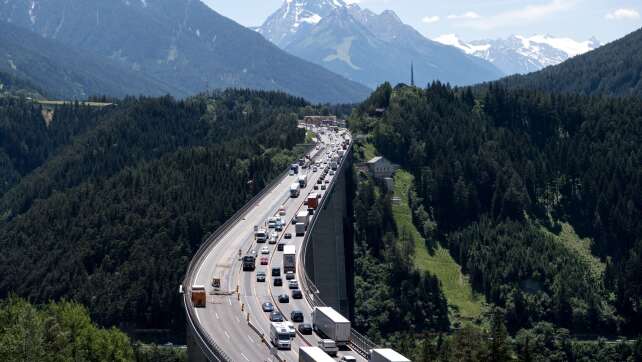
380,168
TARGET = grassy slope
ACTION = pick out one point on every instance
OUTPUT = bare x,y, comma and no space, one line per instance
455,285
580,246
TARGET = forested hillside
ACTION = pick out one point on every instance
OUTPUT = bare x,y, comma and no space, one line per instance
613,69
112,218
499,176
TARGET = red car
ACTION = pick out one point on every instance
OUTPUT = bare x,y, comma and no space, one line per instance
264,260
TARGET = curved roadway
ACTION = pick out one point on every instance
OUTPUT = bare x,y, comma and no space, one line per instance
222,319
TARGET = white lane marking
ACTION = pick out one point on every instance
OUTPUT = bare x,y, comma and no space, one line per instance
250,338
238,319
228,336
244,356
217,316
229,300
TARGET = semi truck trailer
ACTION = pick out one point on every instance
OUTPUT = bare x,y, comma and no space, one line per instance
330,323
289,258
313,354
385,355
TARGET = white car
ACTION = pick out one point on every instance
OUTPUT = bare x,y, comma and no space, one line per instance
291,328
265,250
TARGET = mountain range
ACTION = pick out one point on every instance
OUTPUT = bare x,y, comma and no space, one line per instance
518,54
614,69
367,47
182,44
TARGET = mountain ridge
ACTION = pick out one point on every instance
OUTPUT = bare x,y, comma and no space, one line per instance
183,43
346,39
519,54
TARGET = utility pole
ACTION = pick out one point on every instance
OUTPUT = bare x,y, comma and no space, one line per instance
412,74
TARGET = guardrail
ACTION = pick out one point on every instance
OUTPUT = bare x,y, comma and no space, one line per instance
359,343
207,345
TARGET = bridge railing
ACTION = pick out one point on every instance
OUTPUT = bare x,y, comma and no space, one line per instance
208,346
359,343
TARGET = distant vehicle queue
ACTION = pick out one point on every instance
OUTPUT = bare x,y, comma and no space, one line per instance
333,329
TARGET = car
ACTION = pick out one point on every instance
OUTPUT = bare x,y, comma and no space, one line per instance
252,253
293,284
348,359
291,172
279,246
276,317
331,173
272,239
323,187
305,202
316,187
265,250
289,275
296,316
327,181
305,328
260,276
264,260
288,235
296,294
282,211
278,282
329,346
293,220
314,169
320,181
291,328
267,307
284,298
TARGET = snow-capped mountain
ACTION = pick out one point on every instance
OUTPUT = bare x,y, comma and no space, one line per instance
367,47
295,15
519,54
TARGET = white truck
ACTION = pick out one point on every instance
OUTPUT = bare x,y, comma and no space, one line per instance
289,258
302,220
294,190
303,181
330,323
385,355
280,335
261,235
313,354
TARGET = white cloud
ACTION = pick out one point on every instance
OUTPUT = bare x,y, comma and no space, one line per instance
430,19
525,15
469,15
623,14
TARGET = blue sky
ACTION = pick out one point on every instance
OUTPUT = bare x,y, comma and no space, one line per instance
479,19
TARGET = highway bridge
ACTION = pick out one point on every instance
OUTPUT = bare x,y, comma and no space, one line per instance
232,325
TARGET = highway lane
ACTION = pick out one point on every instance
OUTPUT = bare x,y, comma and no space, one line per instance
223,319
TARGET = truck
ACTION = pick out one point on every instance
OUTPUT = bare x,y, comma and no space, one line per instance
313,354
385,355
330,323
302,218
249,263
261,235
303,181
294,190
313,201
289,258
280,335
295,168
199,297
